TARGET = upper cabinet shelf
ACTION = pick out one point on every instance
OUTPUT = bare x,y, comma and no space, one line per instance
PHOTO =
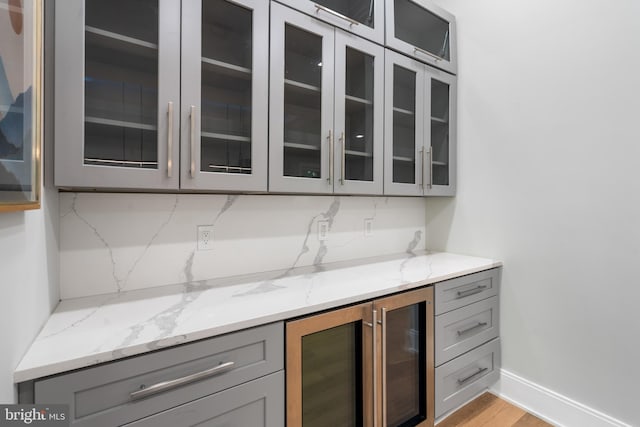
423,30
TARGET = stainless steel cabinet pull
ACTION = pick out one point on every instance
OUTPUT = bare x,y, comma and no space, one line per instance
383,312
475,374
168,385
422,167
430,184
192,118
479,325
469,292
375,374
170,140
424,52
343,143
331,155
334,13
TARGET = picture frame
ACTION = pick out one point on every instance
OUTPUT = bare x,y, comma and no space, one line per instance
21,43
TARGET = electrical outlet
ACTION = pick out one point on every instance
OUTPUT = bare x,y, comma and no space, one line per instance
368,227
205,237
323,230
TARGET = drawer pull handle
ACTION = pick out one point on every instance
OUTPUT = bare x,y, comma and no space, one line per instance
479,325
168,385
469,292
475,374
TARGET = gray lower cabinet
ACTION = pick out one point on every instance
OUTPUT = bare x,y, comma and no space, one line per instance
258,403
176,381
461,330
464,377
467,343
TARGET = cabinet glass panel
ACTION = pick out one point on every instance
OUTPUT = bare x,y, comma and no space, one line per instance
332,377
359,10
404,125
421,28
405,366
302,103
121,83
440,132
226,88
359,116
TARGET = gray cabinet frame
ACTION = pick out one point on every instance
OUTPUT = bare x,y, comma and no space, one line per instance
191,97
70,170
423,157
431,189
340,186
390,187
281,16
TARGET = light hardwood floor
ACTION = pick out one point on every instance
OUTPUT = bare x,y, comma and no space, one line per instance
488,410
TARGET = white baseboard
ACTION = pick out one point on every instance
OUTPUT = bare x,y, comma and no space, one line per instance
549,405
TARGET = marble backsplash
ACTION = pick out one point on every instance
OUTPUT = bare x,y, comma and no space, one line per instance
119,242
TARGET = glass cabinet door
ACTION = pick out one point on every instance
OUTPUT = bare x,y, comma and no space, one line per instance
329,369
406,362
301,103
362,17
119,79
224,101
423,30
404,124
441,131
359,114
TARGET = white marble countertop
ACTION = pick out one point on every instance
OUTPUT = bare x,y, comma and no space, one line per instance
86,331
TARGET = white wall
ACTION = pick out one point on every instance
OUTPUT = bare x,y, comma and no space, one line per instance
549,181
28,283
119,242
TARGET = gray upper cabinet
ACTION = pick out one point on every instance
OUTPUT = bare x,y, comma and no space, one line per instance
326,108
117,93
420,129
362,17
404,126
135,109
440,132
225,51
422,29
359,115
300,103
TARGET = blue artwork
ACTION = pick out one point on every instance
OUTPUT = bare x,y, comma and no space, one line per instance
19,68
12,119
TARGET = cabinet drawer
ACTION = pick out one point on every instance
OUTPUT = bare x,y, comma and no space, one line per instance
460,330
258,403
102,396
462,291
462,378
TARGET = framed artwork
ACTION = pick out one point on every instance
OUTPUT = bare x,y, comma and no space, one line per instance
20,104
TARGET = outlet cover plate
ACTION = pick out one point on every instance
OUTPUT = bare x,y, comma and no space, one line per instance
323,230
368,227
205,237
